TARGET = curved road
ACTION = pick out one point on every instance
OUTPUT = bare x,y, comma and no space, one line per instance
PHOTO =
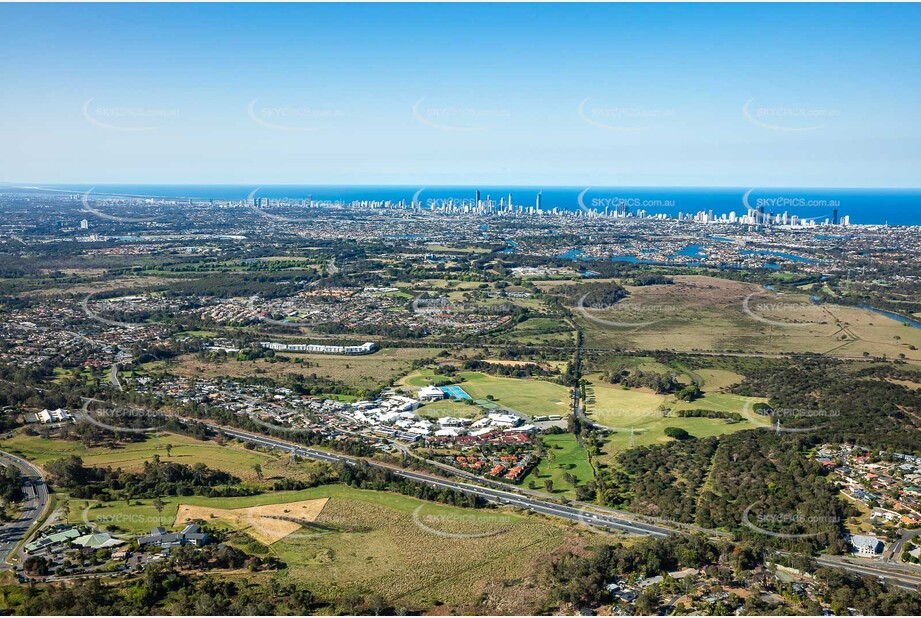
13,533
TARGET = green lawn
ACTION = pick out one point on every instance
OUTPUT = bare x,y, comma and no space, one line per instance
563,455
640,412
233,459
379,547
531,397
140,515
423,377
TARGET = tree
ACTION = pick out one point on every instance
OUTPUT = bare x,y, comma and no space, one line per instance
548,485
169,449
258,470
159,505
677,433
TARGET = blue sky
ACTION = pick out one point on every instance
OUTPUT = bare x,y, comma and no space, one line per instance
633,95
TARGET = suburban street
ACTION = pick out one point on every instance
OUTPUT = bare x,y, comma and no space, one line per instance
35,504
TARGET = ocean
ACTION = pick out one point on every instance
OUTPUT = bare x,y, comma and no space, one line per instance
863,206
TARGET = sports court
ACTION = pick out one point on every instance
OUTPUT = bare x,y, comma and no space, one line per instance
455,392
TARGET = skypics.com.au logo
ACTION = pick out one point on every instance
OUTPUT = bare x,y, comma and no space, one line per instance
131,119
786,524
292,118
797,312
627,309
450,525
618,204
122,418
788,118
85,201
781,417
458,118
622,118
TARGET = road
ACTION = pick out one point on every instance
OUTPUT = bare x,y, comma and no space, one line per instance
113,377
497,496
33,508
903,576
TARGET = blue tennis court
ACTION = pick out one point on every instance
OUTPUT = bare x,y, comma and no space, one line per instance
455,392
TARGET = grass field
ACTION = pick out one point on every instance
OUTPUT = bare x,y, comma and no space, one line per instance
231,458
717,379
380,547
371,371
643,413
699,313
540,330
423,377
531,397
415,554
563,455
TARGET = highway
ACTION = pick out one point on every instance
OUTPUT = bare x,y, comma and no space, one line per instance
34,506
505,498
903,576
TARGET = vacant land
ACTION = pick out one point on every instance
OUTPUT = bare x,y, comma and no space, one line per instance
715,380
541,331
267,524
371,371
528,396
232,458
140,516
699,313
361,540
442,554
640,416
563,455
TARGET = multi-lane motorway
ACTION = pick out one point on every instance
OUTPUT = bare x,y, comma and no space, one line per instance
904,577
497,496
12,534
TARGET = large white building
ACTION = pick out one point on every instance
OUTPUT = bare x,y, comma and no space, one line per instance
53,416
865,545
365,348
504,420
431,393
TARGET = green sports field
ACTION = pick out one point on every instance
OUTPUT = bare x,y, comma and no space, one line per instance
528,396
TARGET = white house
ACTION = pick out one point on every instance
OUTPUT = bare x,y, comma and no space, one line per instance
450,421
449,432
431,393
865,545
505,420
53,416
